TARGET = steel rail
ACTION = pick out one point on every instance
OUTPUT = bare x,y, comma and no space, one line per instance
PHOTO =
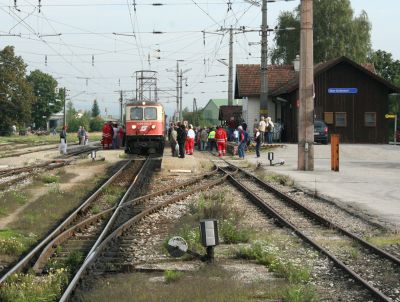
322,220
268,209
61,238
49,167
9,172
26,259
121,229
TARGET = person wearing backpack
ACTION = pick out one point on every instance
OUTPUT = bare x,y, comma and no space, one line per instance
269,130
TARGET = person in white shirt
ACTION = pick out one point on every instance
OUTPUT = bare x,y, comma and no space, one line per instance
191,136
261,127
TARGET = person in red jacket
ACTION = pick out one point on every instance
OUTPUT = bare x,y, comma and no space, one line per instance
107,137
221,138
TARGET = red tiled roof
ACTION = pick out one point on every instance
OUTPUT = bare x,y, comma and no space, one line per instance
248,78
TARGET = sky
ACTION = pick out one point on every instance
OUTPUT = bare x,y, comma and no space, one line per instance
104,42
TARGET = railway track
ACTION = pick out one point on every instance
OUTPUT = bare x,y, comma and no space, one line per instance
96,199
375,269
11,176
113,253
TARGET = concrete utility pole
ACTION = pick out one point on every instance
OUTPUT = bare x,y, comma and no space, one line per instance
306,110
180,94
120,103
264,62
230,65
177,90
230,74
65,115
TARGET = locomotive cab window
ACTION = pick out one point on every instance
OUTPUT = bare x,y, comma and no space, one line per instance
150,113
136,113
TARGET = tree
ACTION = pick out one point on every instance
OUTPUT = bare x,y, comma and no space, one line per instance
96,123
336,33
16,93
46,100
385,65
95,109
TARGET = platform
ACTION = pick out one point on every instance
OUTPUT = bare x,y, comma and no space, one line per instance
368,180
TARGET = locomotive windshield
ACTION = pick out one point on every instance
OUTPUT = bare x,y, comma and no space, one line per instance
150,113
136,113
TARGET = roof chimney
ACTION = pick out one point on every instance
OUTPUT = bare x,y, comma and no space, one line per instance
296,63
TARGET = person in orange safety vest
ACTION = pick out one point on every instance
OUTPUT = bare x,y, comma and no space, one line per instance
221,138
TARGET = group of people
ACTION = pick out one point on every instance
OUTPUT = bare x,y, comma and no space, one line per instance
184,137
113,136
266,129
83,136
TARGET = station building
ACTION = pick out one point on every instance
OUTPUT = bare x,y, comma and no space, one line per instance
350,98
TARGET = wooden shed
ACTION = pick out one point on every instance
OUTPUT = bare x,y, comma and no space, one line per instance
351,98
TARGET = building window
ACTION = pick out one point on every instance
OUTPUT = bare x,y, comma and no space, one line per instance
370,119
328,118
341,119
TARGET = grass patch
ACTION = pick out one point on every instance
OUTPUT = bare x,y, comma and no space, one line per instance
231,233
276,178
385,240
14,243
171,276
210,283
95,209
112,193
19,197
50,178
12,200
28,287
212,205
269,256
300,293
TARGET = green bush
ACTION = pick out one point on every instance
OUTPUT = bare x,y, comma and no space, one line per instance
231,233
49,178
172,276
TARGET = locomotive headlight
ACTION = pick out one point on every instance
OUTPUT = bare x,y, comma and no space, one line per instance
153,126
133,127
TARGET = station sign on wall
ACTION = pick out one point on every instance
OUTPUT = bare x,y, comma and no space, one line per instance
342,90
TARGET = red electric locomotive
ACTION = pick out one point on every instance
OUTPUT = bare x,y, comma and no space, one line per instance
145,128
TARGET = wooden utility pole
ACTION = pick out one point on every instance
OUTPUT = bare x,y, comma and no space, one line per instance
306,110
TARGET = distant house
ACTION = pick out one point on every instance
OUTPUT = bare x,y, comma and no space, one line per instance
351,98
247,87
56,120
211,110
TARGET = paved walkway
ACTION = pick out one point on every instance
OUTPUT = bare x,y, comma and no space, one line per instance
369,176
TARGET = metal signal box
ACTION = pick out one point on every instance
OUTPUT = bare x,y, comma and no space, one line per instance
209,232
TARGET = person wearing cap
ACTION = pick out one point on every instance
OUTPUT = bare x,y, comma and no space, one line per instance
221,138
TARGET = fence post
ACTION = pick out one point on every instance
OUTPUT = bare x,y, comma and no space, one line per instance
335,152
